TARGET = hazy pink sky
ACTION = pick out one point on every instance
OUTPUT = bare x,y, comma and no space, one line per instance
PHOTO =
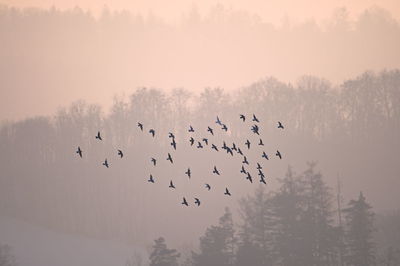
269,10
41,71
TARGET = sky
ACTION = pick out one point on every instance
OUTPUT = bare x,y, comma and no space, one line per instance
42,72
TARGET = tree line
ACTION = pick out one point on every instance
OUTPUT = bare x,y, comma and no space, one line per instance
43,181
299,224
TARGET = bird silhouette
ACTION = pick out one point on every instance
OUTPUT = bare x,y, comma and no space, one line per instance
234,146
199,145
218,121
255,119
188,173
259,166
151,179
169,158
280,125
264,155
261,143
120,154
260,173
262,180
247,144
140,125
278,154
105,163
214,147
224,127
171,135
173,144
243,170
154,161
184,202
191,129
152,132
191,141
79,151
245,160
227,192
208,186
224,146
171,185
255,129
229,150
242,117
248,177
239,151
197,201
98,136
205,141
215,171
209,129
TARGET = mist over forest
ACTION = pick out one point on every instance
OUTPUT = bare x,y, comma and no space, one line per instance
331,200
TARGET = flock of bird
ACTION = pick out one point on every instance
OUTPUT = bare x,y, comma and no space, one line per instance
229,150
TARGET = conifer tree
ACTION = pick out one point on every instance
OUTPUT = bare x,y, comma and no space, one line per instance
359,233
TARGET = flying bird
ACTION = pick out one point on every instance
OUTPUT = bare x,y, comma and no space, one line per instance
152,132
184,202
262,180
245,160
248,177
234,146
280,125
242,117
120,153
209,129
261,143
259,166
105,163
215,171
224,146
278,154
247,144
191,129
214,147
239,151
173,143
197,201
255,119
255,129
227,192
79,151
98,136
154,161
199,145
188,173
191,141
243,170
171,185
208,186
260,173
224,127
205,141
228,150
140,125
264,155
218,121
171,135
151,179
169,158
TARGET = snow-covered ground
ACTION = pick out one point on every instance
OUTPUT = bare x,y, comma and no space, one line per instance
37,246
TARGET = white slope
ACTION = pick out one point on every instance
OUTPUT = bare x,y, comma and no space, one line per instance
36,246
